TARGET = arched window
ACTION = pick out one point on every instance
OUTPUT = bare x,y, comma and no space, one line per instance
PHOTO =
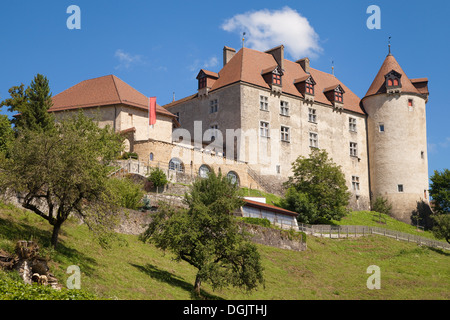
390,83
234,178
151,156
175,164
204,171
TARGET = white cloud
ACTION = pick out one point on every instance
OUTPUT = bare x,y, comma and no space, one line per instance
267,29
198,64
126,60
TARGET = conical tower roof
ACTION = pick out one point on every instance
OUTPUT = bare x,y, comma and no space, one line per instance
378,84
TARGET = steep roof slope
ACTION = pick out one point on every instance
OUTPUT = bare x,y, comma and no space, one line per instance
102,91
247,66
378,84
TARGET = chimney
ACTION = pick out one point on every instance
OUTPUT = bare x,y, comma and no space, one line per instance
228,53
278,54
304,63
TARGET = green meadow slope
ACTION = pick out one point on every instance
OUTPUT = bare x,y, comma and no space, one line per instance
328,269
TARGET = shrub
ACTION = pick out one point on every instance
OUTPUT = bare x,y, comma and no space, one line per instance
258,221
128,194
128,155
382,205
13,288
158,178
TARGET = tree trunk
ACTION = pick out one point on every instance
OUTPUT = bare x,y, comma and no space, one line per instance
198,283
55,234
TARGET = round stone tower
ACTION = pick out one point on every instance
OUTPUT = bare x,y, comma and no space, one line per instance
397,139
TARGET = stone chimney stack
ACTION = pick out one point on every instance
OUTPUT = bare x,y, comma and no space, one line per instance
228,53
304,63
278,54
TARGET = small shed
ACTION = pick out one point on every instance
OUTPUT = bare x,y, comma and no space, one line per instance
257,208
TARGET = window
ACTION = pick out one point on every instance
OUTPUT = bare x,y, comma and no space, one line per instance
278,168
355,183
381,127
338,97
177,114
202,83
352,124
264,129
264,103
422,154
309,88
395,82
285,134
151,156
284,108
400,188
175,164
213,106
353,149
233,177
276,79
204,171
410,104
312,117
313,140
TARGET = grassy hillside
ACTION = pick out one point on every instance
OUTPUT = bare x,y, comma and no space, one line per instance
328,269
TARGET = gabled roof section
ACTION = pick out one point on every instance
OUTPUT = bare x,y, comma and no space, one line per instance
246,67
207,73
102,91
390,64
335,87
306,78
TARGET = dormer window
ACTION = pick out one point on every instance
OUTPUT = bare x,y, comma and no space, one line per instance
202,83
272,76
338,97
305,85
393,83
309,88
276,79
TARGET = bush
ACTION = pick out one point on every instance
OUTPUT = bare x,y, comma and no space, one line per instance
127,193
258,221
128,155
13,288
382,205
158,178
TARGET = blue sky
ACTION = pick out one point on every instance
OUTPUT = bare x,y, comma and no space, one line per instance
158,47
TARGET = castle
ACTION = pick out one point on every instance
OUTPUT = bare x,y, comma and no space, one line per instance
254,117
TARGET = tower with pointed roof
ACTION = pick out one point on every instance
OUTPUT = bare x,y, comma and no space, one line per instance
397,141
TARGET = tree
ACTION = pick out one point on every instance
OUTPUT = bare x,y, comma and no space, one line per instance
441,229
440,191
158,178
63,171
317,190
6,134
207,236
31,104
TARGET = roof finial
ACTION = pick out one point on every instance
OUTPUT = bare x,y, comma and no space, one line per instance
389,45
332,67
243,39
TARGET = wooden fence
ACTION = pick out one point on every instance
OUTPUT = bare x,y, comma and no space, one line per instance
358,231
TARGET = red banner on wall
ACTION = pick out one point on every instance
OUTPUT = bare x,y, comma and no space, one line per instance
152,111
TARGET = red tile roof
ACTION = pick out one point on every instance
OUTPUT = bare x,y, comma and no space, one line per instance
269,207
247,66
102,91
378,84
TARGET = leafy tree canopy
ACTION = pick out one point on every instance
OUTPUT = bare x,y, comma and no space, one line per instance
317,190
440,191
31,105
207,236
64,170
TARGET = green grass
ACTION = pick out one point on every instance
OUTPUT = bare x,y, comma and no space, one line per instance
371,219
270,198
328,269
